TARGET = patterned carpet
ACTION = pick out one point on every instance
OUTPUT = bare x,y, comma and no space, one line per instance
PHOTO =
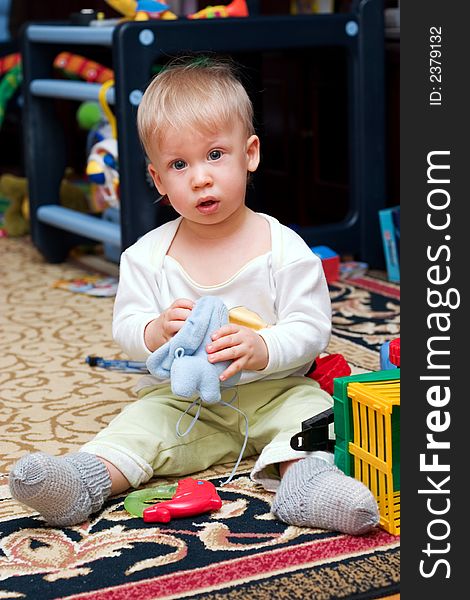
51,400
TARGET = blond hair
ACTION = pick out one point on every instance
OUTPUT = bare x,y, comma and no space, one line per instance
200,93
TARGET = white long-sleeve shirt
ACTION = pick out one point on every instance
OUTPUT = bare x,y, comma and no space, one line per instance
284,288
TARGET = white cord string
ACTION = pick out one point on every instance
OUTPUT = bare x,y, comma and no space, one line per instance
198,402
245,441
193,422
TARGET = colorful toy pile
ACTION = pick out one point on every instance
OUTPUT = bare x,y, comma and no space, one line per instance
144,10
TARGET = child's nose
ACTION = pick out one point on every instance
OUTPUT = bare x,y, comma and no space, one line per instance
201,177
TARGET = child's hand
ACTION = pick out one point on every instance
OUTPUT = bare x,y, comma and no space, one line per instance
163,328
242,345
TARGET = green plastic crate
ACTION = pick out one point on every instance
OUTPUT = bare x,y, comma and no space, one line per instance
367,424
343,416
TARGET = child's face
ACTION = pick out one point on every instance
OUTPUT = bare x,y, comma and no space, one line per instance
204,174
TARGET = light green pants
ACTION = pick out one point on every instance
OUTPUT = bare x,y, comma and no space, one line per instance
142,440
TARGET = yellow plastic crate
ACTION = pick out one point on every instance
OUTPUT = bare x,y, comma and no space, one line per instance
375,411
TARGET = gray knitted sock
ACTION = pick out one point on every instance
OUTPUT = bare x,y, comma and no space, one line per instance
64,490
314,493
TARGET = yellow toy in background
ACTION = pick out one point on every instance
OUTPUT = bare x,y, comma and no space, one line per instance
15,189
71,195
125,7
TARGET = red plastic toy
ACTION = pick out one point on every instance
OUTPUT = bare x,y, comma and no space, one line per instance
328,368
394,352
329,261
192,497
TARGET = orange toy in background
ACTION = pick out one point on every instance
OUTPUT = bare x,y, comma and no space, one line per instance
79,67
236,8
9,61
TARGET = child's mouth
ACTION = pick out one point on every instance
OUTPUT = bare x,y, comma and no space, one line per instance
208,206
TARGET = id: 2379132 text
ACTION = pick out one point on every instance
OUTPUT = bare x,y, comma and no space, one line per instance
435,66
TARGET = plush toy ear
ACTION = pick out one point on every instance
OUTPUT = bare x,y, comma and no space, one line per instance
189,338
208,312
192,334
159,362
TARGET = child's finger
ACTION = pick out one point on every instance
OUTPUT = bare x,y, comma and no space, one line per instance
182,303
178,314
226,342
226,353
223,331
231,370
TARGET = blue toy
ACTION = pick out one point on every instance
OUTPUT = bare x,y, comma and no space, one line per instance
329,261
385,363
390,355
183,359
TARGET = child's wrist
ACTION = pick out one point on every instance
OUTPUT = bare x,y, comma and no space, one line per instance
153,337
266,354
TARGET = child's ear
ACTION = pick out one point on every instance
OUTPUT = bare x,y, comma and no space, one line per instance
252,153
156,179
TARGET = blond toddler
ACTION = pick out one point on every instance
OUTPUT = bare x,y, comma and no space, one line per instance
195,122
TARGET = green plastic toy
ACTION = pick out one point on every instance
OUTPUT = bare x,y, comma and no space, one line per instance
136,502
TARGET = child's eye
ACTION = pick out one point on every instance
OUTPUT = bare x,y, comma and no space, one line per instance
215,154
178,165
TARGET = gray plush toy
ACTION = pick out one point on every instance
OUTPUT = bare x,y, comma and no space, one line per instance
184,359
